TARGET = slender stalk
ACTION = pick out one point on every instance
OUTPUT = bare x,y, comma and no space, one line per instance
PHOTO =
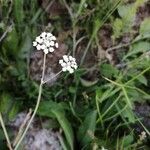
52,77
5,132
36,107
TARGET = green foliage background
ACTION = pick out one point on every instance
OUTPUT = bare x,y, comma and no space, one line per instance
93,113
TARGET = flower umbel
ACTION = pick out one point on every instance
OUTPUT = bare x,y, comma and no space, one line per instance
68,63
45,41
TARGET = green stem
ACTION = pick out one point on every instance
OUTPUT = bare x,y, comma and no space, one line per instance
36,107
5,132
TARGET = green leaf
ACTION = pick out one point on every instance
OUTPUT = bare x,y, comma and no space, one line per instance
26,45
142,80
127,140
128,12
72,89
139,47
11,43
99,94
81,6
88,125
56,110
63,144
66,126
45,109
5,102
145,27
124,10
108,70
14,110
128,113
18,10
117,27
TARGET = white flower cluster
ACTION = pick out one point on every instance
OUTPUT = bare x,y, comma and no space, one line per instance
68,63
46,42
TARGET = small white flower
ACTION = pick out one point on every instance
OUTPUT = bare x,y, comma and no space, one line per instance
38,47
46,42
43,34
56,45
71,70
49,34
64,69
53,38
43,46
39,39
68,63
45,51
34,43
65,57
63,65
61,61
52,43
51,49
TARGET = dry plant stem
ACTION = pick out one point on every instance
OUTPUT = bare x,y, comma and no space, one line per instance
22,127
127,44
36,107
5,132
5,33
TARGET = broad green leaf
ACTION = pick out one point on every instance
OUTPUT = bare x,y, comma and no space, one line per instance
128,113
108,70
63,144
128,12
45,109
66,126
139,47
142,79
134,94
56,110
127,140
124,10
145,27
87,127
